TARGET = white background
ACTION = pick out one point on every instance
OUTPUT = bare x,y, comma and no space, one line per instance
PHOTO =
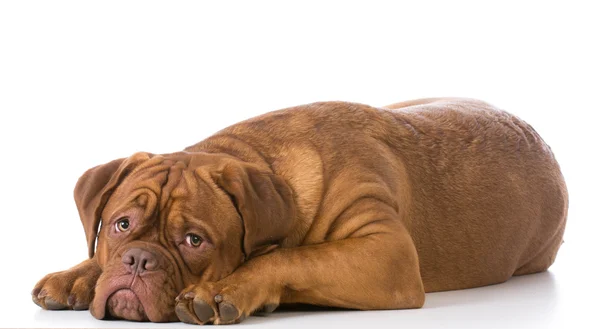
82,83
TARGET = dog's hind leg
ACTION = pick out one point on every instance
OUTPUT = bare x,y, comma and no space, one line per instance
542,261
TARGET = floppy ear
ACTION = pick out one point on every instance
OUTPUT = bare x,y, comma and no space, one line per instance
95,187
265,202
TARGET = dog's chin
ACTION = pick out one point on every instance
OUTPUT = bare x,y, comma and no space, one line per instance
125,304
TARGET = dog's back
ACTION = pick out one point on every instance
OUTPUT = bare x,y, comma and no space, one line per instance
479,191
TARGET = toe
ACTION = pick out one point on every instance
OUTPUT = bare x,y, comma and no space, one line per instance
71,300
228,312
269,308
203,310
75,304
36,291
82,294
183,313
52,304
36,301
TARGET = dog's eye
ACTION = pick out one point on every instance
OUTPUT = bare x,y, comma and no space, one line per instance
122,224
193,240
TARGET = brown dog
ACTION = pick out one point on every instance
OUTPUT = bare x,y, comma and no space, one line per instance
334,204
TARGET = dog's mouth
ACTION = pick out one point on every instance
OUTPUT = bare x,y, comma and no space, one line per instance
137,295
151,298
125,304
120,302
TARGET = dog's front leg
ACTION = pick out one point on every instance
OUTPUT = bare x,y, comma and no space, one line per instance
70,289
374,268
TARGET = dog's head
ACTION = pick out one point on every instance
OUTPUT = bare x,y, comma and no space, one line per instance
158,223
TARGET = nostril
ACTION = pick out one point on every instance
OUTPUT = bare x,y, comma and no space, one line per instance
147,261
142,266
128,259
150,264
131,259
139,260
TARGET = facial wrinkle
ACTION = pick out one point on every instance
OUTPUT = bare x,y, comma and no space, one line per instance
173,177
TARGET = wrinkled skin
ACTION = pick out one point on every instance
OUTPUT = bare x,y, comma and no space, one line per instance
334,204
160,216
158,199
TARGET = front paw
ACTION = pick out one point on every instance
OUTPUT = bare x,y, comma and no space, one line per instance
221,303
71,289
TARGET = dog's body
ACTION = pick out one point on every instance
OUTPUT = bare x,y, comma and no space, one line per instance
341,205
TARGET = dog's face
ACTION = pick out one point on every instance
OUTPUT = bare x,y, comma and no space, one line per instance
171,221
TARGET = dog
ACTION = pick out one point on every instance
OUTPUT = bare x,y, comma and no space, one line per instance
333,204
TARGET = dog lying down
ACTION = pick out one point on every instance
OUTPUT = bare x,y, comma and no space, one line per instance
334,204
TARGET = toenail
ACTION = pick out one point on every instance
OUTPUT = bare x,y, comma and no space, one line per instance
42,294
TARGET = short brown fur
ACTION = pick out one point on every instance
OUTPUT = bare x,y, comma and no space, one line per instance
333,203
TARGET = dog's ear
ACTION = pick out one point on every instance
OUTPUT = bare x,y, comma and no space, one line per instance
264,201
95,187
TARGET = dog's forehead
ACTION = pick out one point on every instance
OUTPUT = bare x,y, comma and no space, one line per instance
167,178
143,183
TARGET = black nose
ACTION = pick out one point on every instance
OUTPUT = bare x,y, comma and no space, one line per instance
139,260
